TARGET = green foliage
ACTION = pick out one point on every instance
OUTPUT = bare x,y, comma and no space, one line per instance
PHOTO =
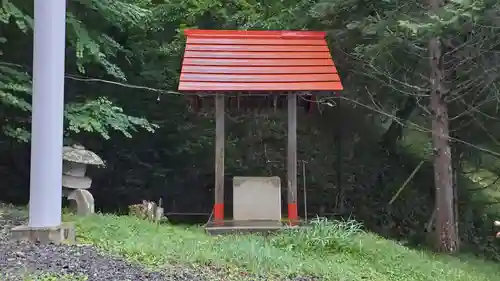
14,99
9,11
321,237
90,46
101,116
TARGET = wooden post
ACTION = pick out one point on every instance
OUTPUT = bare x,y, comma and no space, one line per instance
292,158
219,157
338,141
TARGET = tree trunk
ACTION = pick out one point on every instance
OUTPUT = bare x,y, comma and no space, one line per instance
456,203
447,236
456,152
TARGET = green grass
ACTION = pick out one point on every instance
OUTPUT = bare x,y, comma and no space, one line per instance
330,250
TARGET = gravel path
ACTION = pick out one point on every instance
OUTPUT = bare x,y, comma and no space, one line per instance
19,260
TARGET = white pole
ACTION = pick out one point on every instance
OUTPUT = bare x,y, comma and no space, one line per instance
47,116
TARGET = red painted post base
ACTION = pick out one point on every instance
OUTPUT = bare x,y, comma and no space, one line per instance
293,214
219,213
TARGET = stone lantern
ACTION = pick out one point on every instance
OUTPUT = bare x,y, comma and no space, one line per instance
75,183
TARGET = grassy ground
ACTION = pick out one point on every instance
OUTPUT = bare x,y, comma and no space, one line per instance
328,250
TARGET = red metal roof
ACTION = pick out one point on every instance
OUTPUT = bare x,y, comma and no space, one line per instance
237,60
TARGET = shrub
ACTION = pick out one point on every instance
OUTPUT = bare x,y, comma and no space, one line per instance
321,236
